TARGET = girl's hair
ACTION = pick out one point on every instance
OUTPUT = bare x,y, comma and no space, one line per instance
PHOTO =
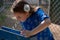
19,7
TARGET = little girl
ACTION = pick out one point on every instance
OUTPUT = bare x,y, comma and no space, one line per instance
33,20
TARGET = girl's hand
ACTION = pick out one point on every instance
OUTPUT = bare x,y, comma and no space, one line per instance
26,33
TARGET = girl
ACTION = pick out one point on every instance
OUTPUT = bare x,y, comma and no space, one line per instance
33,20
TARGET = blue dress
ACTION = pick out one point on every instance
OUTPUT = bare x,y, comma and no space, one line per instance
33,21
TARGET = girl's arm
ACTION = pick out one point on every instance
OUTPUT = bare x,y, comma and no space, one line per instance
44,24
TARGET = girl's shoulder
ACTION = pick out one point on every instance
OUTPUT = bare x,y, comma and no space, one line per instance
36,8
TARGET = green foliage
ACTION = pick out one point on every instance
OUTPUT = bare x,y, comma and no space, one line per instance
2,17
7,7
1,3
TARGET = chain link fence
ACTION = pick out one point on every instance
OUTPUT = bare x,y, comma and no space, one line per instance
54,14
55,18
55,11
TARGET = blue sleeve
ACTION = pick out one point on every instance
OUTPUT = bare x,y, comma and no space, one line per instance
42,15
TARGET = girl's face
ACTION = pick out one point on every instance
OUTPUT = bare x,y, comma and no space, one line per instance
21,16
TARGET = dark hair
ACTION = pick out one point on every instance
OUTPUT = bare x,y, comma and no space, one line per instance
20,7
